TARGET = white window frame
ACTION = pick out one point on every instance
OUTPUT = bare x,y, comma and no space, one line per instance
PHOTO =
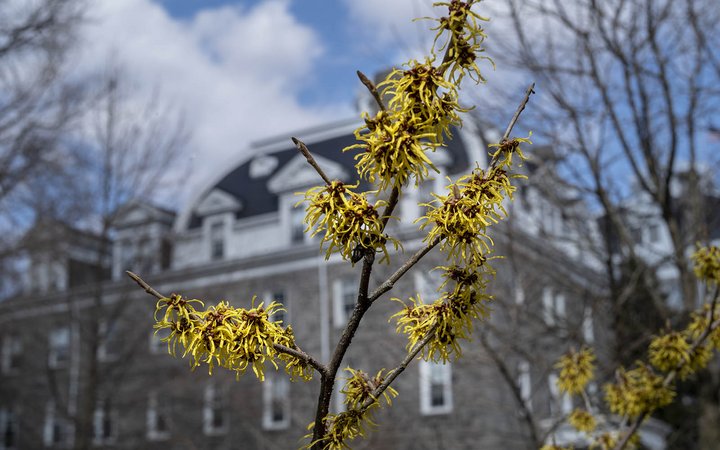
217,232
588,326
553,306
564,400
58,340
104,413
11,348
53,423
156,409
519,294
427,285
426,368
214,400
107,339
295,213
274,382
8,421
155,344
524,382
270,296
338,404
344,289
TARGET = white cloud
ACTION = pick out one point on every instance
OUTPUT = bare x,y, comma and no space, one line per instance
234,72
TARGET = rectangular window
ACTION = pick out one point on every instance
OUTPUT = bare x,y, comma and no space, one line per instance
427,285
519,294
108,341
217,241
127,255
158,418
215,419
297,226
156,345
8,429
278,296
57,430
553,305
435,388
587,326
560,405
11,354
344,298
276,402
104,423
525,383
59,354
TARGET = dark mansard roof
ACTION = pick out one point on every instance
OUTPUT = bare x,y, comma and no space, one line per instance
256,198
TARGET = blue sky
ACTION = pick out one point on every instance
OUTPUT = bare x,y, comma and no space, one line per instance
241,71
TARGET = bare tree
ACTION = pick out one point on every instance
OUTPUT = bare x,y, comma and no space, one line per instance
629,92
37,104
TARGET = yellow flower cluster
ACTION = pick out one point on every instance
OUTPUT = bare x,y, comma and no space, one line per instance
554,447
423,105
345,426
576,370
224,336
700,322
707,264
582,420
463,40
669,350
472,204
349,222
449,317
360,388
637,391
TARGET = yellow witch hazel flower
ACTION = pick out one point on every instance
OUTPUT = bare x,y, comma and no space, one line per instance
576,370
228,337
637,391
707,264
450,317
423,105
472,204
360,399
360,388
463,38
349,222
700,322
669,351
582,420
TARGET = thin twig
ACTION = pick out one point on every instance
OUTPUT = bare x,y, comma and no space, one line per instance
399,369
149,289
390,282
373,90
306,153
296,352
530,90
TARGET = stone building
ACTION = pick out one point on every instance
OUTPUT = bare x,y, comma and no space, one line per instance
243,237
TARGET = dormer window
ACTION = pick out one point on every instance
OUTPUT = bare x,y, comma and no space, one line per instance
217,240
297,226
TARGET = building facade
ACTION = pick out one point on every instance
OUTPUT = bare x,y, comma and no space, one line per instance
242,237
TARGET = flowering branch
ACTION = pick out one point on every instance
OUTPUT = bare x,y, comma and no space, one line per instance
294,352
306,153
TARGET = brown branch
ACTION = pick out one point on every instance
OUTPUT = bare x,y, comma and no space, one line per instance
306,153
373,90
149,289
394,373
390,282
530,90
